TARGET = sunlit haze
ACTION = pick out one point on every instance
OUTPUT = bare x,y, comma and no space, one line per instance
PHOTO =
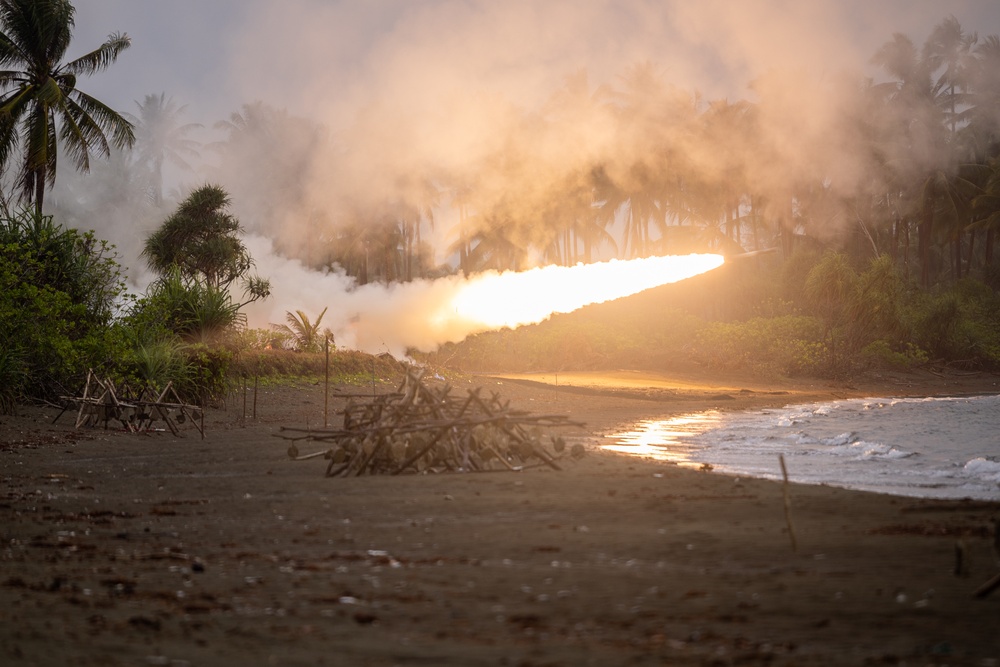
457,118
424,314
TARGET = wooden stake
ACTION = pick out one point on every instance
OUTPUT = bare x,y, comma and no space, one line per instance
988,587
326,384
86,391
788,504
255,398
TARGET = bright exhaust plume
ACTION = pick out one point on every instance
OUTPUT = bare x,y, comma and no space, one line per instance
514,299
425,314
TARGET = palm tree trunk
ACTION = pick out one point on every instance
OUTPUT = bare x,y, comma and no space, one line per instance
956,258
894,251
785,230
463,243
416,247
906,248
972,252
924,242
407,251
39,189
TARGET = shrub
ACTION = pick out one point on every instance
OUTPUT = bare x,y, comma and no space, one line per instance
58,292
208,377
770,347
14,378
155,363
881,354
174,306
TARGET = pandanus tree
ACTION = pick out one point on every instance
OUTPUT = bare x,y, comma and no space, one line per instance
198,254
40,105
202,241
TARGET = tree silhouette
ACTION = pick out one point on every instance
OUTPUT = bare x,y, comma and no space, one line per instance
161,137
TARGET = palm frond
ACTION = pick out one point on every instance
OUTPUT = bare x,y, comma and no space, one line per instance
100,58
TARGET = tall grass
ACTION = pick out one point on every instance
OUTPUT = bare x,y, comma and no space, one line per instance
13,378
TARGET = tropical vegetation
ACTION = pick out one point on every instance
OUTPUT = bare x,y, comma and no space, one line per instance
302,334
881,212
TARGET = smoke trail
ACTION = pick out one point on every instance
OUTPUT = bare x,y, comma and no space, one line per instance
424,314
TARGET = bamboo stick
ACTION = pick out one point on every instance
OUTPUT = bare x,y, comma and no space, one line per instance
788,504
326,383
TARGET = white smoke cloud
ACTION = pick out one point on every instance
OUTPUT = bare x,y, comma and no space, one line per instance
405,86
424,314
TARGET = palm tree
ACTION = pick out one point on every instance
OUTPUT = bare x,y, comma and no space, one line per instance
987,209
951,49
726,129
162,137
634,192
983,129
645,181
305,334
265,160
419,196
577,113
40,104
913,140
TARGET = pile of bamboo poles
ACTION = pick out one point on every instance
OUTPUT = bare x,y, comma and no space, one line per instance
421,429
103,403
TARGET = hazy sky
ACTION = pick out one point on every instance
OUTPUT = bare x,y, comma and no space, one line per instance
326,58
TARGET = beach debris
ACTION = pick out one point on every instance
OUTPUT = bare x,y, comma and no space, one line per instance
422,428
988,587
961,570
102,403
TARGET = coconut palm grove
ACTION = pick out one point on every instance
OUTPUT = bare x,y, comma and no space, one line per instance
872,220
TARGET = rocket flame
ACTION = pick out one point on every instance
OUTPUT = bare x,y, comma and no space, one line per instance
514,299
425,314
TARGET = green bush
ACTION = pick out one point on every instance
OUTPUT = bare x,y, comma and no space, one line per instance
770,347
881,354
958,324
14,378
58,292
155,363
174,306
209,376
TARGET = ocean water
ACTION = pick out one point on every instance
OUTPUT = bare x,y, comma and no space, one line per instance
922,447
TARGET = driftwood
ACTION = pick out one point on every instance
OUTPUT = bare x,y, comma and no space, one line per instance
420,429
988,587
788,503
102,402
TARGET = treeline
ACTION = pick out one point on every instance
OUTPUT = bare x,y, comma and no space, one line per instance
816,315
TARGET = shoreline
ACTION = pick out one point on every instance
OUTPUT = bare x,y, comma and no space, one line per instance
149,549
878,444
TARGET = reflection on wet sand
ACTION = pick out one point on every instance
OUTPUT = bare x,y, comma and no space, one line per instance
661,439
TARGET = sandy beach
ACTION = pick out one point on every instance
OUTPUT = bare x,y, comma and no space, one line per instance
149,549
